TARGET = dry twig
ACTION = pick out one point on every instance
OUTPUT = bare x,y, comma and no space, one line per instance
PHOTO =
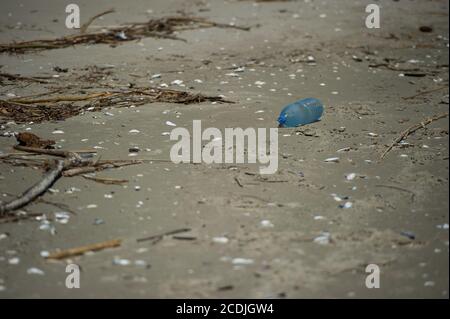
412,129
85,26
84,249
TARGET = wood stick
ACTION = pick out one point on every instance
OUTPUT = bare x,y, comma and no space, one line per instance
160,236
413,195
83,249
238,182
16,218
21,78
78,171
424,92
34,191
107,181
60,153
88,23
412,129
36,150
63,98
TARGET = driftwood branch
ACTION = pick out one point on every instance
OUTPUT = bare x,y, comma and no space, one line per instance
72,164
84,249
36,190
412,129
59,153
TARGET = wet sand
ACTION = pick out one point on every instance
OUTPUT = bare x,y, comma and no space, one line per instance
399,214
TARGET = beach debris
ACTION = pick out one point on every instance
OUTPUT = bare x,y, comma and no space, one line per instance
323,239
35,271
220,240
35,191
425,92
156,238
346,205
301,112
73,163
62,217
134,149
332,160
408,234
17,77
157,28
413,195
63,254
86,25
121,36
177,82
60,70
412,129
60,107
266,223
350,176
338,198
121,261
426,29
32,140
242,261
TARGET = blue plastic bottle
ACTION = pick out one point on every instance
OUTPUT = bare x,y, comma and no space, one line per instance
300,113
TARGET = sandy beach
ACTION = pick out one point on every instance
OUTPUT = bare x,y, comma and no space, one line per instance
307,231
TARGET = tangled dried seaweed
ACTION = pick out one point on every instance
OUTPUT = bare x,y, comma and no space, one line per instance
61,107
157,28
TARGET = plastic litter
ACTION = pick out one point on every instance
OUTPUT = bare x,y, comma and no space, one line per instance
302,112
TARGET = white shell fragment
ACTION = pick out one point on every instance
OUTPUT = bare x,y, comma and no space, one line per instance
332,160
266,223
242,261
35,271
323,239
220,240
